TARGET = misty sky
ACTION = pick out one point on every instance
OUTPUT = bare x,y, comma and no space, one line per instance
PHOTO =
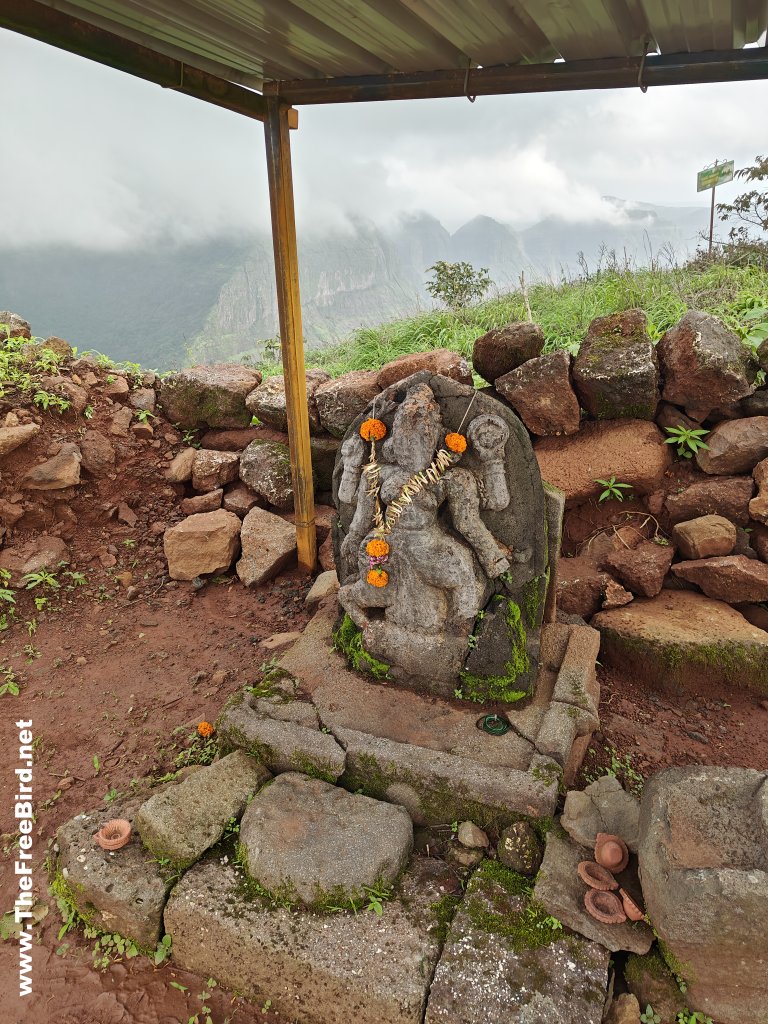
94,157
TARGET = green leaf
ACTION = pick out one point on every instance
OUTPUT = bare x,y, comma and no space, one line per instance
179,986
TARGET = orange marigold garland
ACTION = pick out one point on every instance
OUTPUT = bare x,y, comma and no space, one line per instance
373,430
456,443
377,577
377,548
205,729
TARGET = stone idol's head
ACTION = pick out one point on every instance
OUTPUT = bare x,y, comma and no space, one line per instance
416,431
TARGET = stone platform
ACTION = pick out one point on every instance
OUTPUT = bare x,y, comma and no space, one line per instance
418,750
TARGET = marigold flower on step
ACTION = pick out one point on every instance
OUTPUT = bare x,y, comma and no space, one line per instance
373,430
456,443
377,548
377,577
205,729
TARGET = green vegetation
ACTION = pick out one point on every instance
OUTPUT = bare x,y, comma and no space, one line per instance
649,1016
502,687
527,926
613,489
688,441
348,639
458,285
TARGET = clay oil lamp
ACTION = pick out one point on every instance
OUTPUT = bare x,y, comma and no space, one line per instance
596,876
631,908
114,835
604,906
611,852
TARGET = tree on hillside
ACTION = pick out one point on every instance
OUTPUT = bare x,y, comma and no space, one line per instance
750,208
458,284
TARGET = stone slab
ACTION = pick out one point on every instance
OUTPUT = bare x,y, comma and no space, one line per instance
482,978
316,841
317,969
604,806
120,891
182,822
561,891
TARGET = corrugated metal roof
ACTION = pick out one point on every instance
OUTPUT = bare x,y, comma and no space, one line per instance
250,41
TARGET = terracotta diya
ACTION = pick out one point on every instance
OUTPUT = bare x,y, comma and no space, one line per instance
631,908
604,906
596,876
611,852
114,835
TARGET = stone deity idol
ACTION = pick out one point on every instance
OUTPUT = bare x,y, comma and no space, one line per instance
438,559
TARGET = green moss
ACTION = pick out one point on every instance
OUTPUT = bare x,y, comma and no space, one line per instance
483,689
523,923
77,912
300,762
443,912
348,639
550,774
533,598
682,973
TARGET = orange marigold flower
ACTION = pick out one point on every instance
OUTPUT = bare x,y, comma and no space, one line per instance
205,729
456,443
377,577
373,430
377,548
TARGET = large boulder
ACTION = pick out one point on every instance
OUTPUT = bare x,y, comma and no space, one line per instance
733,578
268,544
735,446
207,542
540,392
684,641
726,496
631,450
212,396
436,360
265,467
505,348
63,470
704,364
704,869
341,400
315,841
615,372
268,402
704,537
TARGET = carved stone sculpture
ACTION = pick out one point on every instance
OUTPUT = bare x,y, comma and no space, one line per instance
441,544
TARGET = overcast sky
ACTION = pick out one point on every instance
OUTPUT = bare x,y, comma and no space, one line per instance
98,158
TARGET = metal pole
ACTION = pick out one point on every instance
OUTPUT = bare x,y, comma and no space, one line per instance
712,219
276,132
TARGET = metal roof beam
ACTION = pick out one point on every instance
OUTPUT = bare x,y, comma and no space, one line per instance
609,73
38,21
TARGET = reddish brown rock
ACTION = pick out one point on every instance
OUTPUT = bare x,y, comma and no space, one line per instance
14,437
325,554
631,450
540,392
438,360
735,446
98,453
705,537
341,400
204,543
759,540
758,507
240,500
704,364
668,415
726,496
63,470
44,552
642,569
505,348
180,469
202,502
615,373
580,586
13,326
212,469
734,578
268,401
230,440
615,595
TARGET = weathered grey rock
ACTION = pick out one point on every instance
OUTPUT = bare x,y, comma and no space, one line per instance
208,502
471,836
212,470
705,537
63,470
615,373
326,583
12,438
631,450
561,891
505,348
320,969
642,569
486,976
13,326
724,496
183,821
704,868
143,399
520,849
682,641
265,467
437,360
317,841
704,364
123,891
212,396
285,737
180,469
604,806
733,578
268,402
98,453
540,392
735,446
204,543
268,544
341,400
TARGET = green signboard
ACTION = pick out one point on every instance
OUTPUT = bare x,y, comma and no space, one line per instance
717,174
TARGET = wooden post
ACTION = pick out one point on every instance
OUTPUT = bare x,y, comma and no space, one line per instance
276,129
